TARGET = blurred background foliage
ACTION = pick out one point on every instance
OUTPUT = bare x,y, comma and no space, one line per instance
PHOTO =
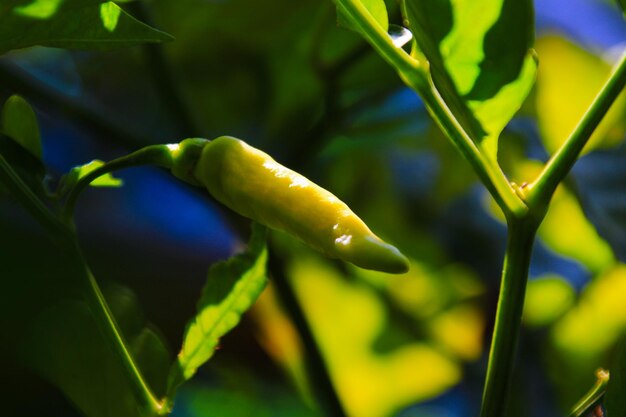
285,78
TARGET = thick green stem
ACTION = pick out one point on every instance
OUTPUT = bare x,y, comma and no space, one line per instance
508,317
540,191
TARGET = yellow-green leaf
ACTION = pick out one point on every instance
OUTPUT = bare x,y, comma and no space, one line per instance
105,180
547,299
360,371
232,287
567,82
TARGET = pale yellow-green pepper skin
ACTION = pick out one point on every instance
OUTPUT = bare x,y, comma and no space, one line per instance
253,184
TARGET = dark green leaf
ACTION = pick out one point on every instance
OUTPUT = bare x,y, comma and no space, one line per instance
480,58
73,24
232,287
66,347
260,399
29,168
20,123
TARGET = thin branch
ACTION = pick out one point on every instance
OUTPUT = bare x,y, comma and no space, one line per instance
541,190
164,78
317,370
93,118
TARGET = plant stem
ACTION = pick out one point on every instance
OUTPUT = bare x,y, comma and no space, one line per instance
317,371
488,171
30,201
521,235
593,397
158,155
148,403
416,76
102,315
540,191
164,78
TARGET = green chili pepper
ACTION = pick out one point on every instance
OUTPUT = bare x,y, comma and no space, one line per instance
251,183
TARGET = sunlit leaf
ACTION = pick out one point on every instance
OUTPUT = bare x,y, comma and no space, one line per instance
110,15
459,330
547,299
360,368
480,59
566,67
598,318
20,123
65,346
438,301
72,24
232,287
38,9
582,338
105,180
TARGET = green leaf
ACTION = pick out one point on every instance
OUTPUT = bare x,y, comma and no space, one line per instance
20,123
72,24
105,180
480,59
566,67
258,398
376,9
232,287
65,346
547,298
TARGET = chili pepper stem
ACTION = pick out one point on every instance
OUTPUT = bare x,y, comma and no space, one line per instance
150,155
